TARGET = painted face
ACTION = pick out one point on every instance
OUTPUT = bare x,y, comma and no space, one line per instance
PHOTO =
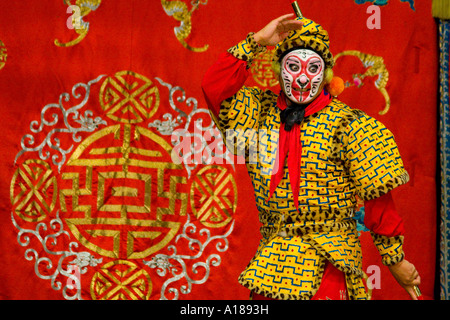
302,75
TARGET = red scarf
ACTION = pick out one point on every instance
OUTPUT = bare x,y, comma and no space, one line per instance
291,141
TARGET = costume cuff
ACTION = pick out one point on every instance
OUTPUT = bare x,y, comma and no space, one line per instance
382,218
390,248
395,182
247,49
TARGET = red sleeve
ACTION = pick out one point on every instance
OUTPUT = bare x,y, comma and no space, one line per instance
382,218
223,79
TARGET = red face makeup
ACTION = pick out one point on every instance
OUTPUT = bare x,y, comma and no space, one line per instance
302,73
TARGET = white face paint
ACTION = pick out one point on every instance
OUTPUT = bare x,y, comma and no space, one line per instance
302,73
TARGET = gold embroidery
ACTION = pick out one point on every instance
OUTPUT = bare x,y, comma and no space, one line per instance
81,27
214,196
121,215
120,198
121,280
3,54
262,71
33,190
375,66
129,97
179,11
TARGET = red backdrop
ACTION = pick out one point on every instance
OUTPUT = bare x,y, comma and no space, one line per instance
140,71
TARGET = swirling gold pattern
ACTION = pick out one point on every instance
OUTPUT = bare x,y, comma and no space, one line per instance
375,67
83,8
180,12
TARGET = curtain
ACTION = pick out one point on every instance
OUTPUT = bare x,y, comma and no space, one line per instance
97,98
441,12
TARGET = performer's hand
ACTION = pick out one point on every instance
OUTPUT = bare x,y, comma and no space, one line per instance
277,30
407,276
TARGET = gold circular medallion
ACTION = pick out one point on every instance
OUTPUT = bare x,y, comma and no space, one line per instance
121,280
120,199
129,97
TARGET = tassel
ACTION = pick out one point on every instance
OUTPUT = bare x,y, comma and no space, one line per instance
441,9
336,86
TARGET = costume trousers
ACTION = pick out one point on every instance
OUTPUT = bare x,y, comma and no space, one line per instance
332,287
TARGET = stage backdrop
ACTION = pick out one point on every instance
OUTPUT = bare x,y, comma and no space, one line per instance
95,95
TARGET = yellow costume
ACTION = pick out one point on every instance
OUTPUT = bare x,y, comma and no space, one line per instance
345,154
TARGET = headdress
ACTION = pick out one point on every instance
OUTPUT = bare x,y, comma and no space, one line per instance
311,36
314,37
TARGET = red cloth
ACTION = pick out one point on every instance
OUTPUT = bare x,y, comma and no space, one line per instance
223,79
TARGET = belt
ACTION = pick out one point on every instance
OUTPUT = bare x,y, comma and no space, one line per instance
299,229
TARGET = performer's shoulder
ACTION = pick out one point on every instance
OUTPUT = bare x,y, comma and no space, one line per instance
352,118
343,110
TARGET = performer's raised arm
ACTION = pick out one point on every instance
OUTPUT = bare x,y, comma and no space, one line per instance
228,74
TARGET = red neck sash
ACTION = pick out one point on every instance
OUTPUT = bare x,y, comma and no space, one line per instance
290,142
